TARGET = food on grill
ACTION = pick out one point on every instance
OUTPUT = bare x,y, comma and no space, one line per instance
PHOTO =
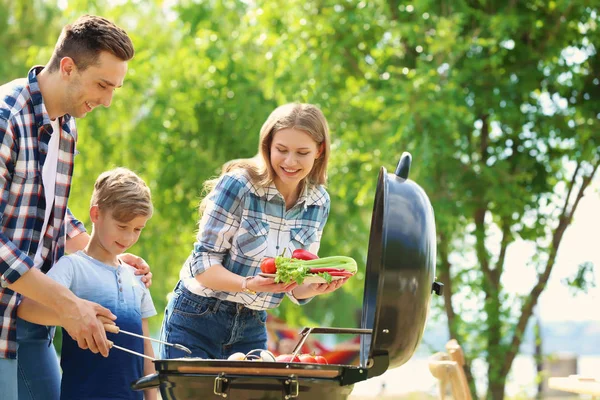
302,358
237,357
287,358
253,355
321,360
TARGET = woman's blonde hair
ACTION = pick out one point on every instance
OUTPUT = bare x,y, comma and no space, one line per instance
301,116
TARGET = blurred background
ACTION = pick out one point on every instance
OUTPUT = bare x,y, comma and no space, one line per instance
496,100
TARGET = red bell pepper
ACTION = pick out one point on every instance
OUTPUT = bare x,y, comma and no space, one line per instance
302,254
320,270
340,273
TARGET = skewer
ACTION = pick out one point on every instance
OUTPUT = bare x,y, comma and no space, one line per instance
112,345
115,329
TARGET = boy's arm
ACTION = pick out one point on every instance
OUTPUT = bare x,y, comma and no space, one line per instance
32,311
149,394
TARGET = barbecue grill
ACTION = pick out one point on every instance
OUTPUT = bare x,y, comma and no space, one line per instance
399,280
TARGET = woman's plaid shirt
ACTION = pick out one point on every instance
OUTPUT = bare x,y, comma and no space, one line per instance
24,135
242,224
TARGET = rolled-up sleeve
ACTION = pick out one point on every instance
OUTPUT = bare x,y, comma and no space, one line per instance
13,262
74,226
219,224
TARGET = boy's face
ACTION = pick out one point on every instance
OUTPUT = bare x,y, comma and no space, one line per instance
115,236
92,87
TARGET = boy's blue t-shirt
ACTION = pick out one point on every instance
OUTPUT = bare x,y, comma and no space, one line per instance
91,376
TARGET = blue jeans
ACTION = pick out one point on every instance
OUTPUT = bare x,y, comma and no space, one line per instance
8,379
38,369
209,327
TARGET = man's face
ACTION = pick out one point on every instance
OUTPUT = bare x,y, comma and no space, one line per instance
94,86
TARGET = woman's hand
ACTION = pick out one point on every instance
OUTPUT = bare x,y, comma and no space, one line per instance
263,284
314,289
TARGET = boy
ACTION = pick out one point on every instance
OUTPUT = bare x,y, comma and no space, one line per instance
120,207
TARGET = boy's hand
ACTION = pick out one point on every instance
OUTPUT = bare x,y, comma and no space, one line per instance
142,268
80,319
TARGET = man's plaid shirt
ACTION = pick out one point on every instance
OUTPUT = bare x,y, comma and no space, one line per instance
244,223
24,135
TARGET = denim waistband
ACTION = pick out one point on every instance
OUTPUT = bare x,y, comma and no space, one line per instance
214,303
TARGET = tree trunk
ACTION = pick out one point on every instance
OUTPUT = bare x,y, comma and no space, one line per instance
496,389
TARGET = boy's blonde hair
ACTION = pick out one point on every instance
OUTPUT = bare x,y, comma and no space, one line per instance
123,193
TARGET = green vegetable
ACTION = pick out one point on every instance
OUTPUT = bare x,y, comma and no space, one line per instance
294,270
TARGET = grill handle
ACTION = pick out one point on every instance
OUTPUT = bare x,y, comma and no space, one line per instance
146,382
307,331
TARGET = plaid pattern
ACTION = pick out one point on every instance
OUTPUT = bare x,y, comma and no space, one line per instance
244,223
24,135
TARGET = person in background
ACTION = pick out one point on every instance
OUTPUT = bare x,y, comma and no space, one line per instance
120,207
258,207
38,139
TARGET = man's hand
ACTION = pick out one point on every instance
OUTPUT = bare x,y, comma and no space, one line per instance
81,320
142,268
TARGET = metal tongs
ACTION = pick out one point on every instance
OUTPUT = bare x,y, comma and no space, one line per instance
115,329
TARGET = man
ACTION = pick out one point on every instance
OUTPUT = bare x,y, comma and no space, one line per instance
37,147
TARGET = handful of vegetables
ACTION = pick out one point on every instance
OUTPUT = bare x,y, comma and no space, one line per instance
303,264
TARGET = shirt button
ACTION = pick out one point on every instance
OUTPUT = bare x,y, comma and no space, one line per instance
119,280
120,289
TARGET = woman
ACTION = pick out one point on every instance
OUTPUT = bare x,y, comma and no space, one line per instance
258,207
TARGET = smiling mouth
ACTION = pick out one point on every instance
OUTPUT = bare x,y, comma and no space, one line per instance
89,106
290,171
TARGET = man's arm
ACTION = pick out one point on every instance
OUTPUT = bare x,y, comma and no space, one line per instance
76,243
77,316
149,394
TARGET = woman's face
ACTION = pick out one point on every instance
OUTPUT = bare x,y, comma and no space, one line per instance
293,154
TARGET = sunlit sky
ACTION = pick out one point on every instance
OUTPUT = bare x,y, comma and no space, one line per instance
580,243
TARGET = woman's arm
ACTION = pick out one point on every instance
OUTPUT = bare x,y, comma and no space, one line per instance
220,278
149,394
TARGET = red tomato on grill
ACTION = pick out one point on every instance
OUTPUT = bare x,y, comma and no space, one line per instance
321,360
287,358
307,358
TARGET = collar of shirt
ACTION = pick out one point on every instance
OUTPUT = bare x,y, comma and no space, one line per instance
41,117
310,195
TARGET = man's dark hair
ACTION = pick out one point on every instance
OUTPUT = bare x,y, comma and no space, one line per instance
86,38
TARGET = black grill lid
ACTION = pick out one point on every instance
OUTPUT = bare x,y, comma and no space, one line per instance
400,270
